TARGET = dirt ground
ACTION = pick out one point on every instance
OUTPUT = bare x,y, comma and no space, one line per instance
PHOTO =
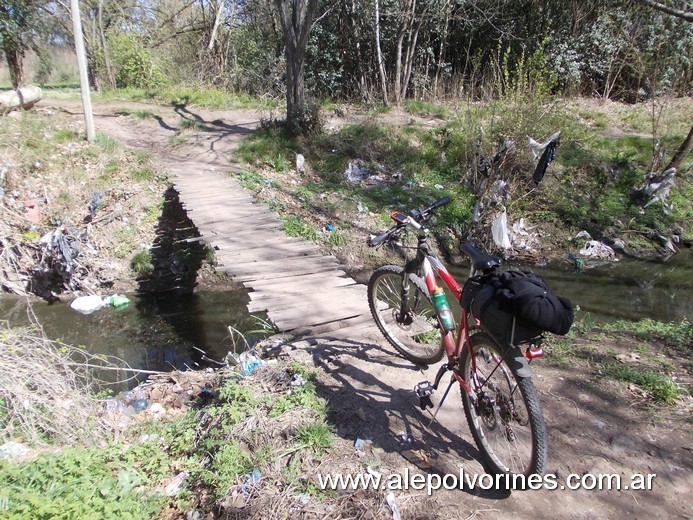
595,425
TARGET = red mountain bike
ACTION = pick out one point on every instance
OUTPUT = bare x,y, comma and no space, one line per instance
488,356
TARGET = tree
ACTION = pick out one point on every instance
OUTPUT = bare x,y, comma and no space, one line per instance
296,18
17,23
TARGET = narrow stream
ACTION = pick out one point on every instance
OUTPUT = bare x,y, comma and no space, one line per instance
161,333
153,333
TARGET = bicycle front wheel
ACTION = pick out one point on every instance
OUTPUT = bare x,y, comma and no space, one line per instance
404,313
506,420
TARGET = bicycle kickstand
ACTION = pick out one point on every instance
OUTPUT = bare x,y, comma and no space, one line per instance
447,390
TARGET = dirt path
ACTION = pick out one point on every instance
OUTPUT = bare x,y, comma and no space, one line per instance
593,429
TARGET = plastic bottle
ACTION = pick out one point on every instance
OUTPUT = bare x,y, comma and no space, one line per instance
443,309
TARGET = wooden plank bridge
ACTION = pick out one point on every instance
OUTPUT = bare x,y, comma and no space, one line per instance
304,292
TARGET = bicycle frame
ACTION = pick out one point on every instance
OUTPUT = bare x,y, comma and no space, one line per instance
431,268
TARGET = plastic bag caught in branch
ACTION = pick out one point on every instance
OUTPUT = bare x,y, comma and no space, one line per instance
499,229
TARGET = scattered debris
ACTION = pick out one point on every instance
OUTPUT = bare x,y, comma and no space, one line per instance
546,152
656,187
523,236
176,483
499,228
88,304
584,234
390,499
300,163
13,450
596,249
419,458
358,171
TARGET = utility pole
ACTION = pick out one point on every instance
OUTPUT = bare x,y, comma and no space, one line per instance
82,66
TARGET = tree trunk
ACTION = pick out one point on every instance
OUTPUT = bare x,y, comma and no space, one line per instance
297,19
682,152
215,29
15,59
110,77
381,64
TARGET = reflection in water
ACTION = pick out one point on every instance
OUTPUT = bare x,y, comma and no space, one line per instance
153,333
628,289
159,332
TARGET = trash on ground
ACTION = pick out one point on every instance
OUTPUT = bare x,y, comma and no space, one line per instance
657,186
140,404
546,152
298,380
300,163
390,499
249,362
584,234
175,485
358,443
417,457
12,450
596,249
253,477
523,235
358,171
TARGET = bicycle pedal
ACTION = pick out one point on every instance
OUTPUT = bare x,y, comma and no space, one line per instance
425,402
424,389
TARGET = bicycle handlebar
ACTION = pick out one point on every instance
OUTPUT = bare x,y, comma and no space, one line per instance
422,214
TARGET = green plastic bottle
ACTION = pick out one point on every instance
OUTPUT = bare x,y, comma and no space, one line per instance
443,309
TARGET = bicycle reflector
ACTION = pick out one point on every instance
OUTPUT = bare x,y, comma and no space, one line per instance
398,216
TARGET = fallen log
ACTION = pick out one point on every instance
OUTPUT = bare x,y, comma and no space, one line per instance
24,98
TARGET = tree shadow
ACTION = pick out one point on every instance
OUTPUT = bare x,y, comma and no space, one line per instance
363,406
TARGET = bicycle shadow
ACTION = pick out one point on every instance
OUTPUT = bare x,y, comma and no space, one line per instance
369,391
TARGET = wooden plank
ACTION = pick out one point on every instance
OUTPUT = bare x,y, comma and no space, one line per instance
270,290
307,296
303,327
297,270
255,266
319,280
249,279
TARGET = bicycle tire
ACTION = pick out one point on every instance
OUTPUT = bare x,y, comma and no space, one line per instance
521,447
417,337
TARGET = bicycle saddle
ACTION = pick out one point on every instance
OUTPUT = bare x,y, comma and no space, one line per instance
480,260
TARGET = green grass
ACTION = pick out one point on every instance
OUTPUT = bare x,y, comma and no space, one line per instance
421,108
141,264
295,227
678,335
659,386
145,174
249,180
172,95
93,482
138,114
190,124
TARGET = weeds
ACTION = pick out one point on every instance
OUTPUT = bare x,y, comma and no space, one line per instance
678,335
659,386
295,227
141,264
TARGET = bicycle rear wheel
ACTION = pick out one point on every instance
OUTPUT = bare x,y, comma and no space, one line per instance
414,332
506,421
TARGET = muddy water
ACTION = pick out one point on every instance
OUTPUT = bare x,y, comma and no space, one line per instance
151,333
628,289
162,333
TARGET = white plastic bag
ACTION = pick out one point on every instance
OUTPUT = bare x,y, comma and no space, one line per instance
88,304
499,229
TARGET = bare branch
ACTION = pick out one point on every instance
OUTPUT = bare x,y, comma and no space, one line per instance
673,11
